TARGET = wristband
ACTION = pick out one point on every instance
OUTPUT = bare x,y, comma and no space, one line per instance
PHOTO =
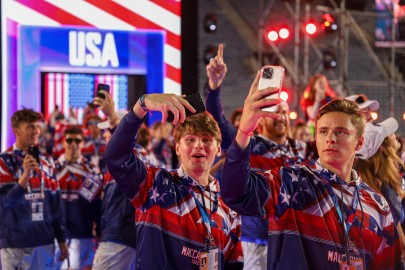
247,134
142,103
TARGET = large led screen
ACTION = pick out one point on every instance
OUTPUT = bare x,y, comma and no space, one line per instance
64,38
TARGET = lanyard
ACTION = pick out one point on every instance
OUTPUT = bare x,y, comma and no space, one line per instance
208,222
203,211
348,222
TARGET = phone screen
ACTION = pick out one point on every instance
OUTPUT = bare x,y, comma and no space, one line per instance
102,86
196,101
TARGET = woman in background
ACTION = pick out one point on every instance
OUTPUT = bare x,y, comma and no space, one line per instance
316,94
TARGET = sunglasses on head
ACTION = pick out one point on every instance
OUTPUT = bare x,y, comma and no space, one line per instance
361,99
70,140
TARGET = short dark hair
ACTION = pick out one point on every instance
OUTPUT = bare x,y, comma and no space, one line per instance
26,116
202,123
348,107
73,130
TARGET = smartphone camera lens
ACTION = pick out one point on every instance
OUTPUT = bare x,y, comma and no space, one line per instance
267,73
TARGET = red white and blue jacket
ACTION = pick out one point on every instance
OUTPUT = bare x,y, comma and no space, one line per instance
306,201
17,229
118,219
81,215
265,155
171,230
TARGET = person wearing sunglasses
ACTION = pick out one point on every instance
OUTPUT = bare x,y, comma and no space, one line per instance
94,143
80,186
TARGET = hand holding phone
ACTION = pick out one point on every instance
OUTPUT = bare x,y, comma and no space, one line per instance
100,87
33,150
271,76
196,101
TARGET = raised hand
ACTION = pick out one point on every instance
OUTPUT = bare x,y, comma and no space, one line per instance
252,113
106,105
216,69
29,164
164,103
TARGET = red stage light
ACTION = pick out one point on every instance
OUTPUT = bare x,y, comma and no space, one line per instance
329,24
284,33
284,95
272,35
310,28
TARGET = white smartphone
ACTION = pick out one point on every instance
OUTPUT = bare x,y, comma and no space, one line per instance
271,76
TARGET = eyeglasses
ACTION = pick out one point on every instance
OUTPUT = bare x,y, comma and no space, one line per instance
93,123
361,99
70,140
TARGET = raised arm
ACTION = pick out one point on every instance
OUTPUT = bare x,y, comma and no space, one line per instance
128,171
216,71
245,192
107,106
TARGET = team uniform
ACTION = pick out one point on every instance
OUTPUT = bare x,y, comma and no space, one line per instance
176,218
30,218
265,155
311,219
80,186
117,247
93,150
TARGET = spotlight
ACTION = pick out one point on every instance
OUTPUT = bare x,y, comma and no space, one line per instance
272,35
210,52
328,23
329,60
283,95
210,23
374,115
283,32
293,115
310,27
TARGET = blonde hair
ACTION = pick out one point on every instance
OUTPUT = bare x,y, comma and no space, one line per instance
382,168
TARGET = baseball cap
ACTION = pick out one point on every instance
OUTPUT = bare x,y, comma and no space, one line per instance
374,135
106,124
363,102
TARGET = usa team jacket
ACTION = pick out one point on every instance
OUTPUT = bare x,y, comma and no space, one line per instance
304,201
17,228
265,155
171,231
80,214
118,219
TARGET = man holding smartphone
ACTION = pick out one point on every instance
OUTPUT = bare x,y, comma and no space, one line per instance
270,148
181,221
31,213
325,216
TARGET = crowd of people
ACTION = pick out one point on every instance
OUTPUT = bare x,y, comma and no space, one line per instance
206,191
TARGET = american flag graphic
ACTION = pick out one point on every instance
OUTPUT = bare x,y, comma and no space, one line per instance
74,91
111,14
